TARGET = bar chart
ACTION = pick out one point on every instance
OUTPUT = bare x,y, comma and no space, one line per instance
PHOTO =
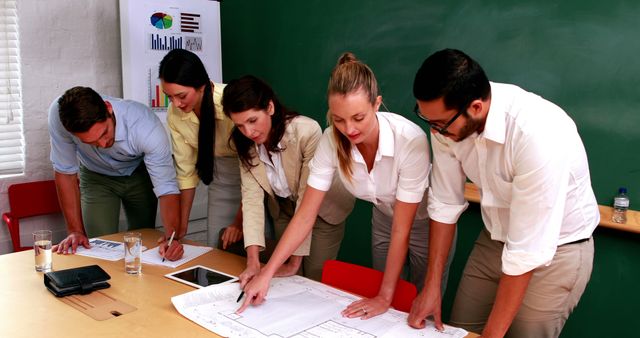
163,42
158,100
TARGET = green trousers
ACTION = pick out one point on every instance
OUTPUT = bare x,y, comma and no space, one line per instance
101,197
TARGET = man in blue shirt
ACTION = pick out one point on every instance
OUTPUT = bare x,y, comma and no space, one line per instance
121,153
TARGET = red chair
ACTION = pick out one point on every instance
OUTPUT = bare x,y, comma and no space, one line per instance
366,282
28,200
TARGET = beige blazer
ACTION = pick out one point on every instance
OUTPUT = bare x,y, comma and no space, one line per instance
299,141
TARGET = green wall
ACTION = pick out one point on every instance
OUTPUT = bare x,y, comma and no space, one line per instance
582,55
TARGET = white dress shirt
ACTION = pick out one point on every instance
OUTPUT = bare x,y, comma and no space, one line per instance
531,168
275,171
400,170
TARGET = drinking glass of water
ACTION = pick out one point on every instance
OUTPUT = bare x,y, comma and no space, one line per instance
133,253
42,249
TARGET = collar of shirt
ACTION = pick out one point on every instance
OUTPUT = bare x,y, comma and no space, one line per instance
191,116
121,130
274,170
495,127
217,92
266,156
386,142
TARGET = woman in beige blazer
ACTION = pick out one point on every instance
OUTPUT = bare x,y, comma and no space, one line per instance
275,146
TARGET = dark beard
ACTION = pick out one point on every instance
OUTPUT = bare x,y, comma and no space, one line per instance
471,126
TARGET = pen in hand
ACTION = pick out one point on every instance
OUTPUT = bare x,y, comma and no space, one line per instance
169,244
240,297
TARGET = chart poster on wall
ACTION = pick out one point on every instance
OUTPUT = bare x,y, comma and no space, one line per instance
151,28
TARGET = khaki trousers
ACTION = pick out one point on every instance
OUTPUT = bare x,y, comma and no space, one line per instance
553,292
418,250
325,239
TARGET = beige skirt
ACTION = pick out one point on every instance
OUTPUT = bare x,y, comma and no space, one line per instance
224,197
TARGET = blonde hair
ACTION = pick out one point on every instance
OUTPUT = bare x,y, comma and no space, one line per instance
349,76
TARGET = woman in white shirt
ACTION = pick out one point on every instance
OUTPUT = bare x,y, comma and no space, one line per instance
380,157
275,145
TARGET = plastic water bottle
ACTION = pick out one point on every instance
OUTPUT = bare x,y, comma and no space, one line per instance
620,206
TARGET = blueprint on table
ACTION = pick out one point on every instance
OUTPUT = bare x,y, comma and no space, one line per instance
295,307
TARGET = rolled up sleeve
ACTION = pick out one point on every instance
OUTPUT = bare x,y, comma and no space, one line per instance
413,175
538,194
446,200
63,154
184,154
157,158
322,167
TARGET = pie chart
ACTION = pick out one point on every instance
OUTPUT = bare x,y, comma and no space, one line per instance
161,20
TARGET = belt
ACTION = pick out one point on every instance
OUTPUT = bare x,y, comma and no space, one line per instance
574,242
577,241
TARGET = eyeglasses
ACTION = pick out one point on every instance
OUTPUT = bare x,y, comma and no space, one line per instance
442,130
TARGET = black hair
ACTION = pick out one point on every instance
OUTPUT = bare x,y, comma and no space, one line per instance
183,67
452,75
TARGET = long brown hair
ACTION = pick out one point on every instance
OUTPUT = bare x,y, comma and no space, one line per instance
249,92
348,76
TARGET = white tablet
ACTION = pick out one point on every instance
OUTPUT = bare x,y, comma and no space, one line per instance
200,276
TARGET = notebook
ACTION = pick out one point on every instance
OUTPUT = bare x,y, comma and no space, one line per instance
152,256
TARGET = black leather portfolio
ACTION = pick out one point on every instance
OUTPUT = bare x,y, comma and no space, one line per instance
81,280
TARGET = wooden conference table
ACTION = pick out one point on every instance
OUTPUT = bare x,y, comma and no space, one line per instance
29,309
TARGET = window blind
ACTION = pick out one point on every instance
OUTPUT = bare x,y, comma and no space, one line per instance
11,136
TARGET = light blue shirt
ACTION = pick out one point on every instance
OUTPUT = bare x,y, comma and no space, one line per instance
139,136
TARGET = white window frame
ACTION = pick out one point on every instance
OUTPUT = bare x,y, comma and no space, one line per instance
11,128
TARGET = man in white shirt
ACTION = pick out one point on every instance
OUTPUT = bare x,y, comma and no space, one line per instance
532,262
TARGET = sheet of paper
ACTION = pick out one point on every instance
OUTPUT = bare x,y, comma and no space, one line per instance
103,249
152,256
295,307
